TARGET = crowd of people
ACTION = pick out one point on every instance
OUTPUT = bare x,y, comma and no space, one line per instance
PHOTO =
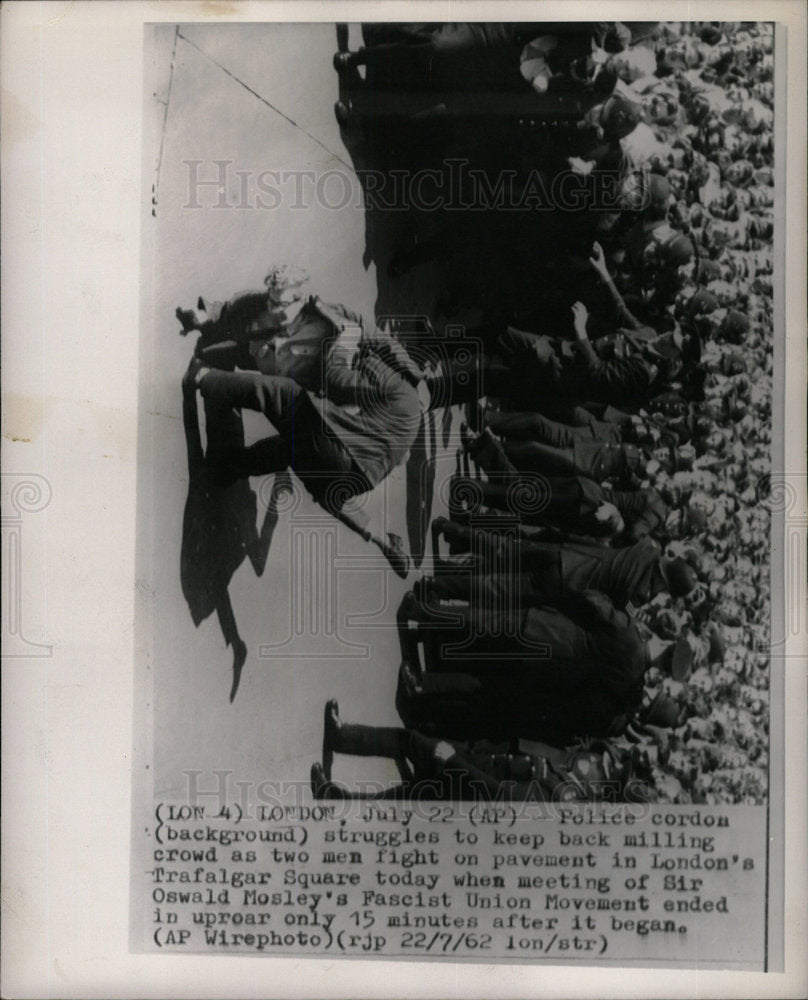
604,596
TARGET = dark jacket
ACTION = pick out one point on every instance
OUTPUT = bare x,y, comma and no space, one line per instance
558,673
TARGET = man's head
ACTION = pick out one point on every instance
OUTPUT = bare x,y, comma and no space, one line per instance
663,712
708,270
619,117
733,363
672,658
685,521
677,251
657,197
679,576
734,326
702,303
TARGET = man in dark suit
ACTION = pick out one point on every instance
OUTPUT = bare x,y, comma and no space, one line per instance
532,426
535,372
576,505
432,767
565,672
514,571
593,459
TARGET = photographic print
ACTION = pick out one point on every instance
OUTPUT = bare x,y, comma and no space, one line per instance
458,468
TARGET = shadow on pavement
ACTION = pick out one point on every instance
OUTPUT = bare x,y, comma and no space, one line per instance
219,527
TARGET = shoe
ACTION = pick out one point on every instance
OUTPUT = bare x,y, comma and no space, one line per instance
342,114
394,553
330,730
321,787
319,782
342,61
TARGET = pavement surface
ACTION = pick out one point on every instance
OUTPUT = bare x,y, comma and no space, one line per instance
231,103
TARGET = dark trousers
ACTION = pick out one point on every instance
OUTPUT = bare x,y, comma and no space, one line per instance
504,460
508,572
303,443
537,427
533,456
467,775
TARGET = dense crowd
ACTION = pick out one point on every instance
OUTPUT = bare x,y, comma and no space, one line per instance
614,508
710,99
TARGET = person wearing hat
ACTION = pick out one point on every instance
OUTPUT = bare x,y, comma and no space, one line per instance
530,572
709,270
577,505
526,368
654,248
596,460
728,363
623,382
534,426
432,767
701,303
643,510
734,327
663,712
564,672
685,521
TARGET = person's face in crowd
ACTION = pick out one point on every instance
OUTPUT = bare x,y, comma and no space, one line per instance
724,207
761,229
662,109
668,404
633,63
736,93
734,365
738,172
736,142
699,111
685,456
662,455
687,273
728,268
722,159
677,179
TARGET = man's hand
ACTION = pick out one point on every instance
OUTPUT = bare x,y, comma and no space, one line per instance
581,167
443,752
194,374
579,318
598,261
607,513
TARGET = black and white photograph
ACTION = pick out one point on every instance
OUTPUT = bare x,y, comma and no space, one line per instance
464,537
463,359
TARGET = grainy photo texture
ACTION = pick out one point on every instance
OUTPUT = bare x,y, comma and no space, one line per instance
456,492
